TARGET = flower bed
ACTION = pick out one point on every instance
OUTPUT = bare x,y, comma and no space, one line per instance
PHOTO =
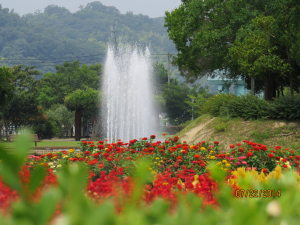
173,169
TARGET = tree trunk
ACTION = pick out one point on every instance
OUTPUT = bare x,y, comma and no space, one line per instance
282,90
291,87
252,86
77,125
270,87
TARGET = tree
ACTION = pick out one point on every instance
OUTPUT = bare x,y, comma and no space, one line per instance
64,116
84,103
205,31
6,86
23,107
176,97
54,87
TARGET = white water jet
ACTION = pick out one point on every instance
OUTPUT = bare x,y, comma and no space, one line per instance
127,109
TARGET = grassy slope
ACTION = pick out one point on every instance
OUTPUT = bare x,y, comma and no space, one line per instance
231,131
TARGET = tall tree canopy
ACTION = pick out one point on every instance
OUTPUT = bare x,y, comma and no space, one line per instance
244,38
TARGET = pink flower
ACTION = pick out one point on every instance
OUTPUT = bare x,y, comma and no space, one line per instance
244,162
248,168
237,163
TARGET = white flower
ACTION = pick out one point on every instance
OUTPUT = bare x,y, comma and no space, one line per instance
273,208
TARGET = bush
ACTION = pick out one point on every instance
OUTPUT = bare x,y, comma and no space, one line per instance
48,129
285,107
248,107
214,103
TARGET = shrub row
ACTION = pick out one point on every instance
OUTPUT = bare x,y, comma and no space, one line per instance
253,107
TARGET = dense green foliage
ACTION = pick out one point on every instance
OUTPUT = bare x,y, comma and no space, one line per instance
176,97
252,107
22,109
70,76
287,108
6,86
57,35
245,38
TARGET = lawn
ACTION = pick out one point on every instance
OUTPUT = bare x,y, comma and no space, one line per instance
47,143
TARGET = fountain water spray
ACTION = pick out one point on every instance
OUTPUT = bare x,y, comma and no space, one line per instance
127,109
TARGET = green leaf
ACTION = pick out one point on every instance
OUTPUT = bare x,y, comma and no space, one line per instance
37,177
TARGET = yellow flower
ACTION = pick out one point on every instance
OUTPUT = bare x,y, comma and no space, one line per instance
31,163
224,161
78,155
50,163
71,151
227,165
65,156
155,162
150,168
153,172
218,163
157,158
161,161
191,147
202,148
212,157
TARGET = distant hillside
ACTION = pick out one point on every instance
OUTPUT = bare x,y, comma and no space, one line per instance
57,35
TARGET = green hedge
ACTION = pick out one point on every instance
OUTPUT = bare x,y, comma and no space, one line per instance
253,107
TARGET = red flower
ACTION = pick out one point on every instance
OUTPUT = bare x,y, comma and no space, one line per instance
101,166
92,145
152,136
90,142
277,158
202,165
284,166
216,142
167,142
197,156
96,155
249,154
256,148
278,147
284,160
147,144
84,142
179,146
144,138
81,159
232,152
270,155
178,157
86,153
105,155
100,142
264,170
291,157
238,144
100,147
203,142
231,146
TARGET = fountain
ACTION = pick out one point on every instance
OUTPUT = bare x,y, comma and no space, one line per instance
127,109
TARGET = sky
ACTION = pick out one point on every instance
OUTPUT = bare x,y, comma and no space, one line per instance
152,8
